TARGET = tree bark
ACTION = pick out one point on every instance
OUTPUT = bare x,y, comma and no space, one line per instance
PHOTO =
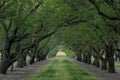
24,60
32,59
32,56
79,56
119,56
103,64
89,58
5,64
110,58
111,65
12,66
20,63
6,53
84,58
38,58
96,61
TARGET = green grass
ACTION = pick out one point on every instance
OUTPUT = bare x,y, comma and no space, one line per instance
63,69
117,65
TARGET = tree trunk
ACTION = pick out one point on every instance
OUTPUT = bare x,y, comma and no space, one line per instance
32,59
119,56
12,66
43,57
96,61
5,64
84,58
79,57
111,65
38,58
24,62
20,63
110,58
116,55
89,58
103,64
4,60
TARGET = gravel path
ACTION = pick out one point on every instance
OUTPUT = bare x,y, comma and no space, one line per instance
32,70
22,73
100,74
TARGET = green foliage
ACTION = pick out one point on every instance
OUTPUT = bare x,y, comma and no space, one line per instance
53,52
69,52
92,28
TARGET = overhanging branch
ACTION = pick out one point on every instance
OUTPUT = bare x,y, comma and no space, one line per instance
102,13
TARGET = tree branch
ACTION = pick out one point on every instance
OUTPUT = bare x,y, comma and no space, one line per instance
35,8
7,6
103,14
19,38
2,4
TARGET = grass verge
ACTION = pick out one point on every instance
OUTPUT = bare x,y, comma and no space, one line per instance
63,69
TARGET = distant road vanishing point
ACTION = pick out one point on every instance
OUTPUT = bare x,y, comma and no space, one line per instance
61,53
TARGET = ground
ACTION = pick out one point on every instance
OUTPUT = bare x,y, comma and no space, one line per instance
62,68
100,74
23,73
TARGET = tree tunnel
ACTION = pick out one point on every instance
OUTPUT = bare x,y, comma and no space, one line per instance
36,29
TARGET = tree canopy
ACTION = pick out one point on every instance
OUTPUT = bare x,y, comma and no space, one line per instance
36,27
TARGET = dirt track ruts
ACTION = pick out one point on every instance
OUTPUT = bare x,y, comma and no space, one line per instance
100,74
23,73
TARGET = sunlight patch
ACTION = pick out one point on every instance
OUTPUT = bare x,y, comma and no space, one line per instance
60,53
